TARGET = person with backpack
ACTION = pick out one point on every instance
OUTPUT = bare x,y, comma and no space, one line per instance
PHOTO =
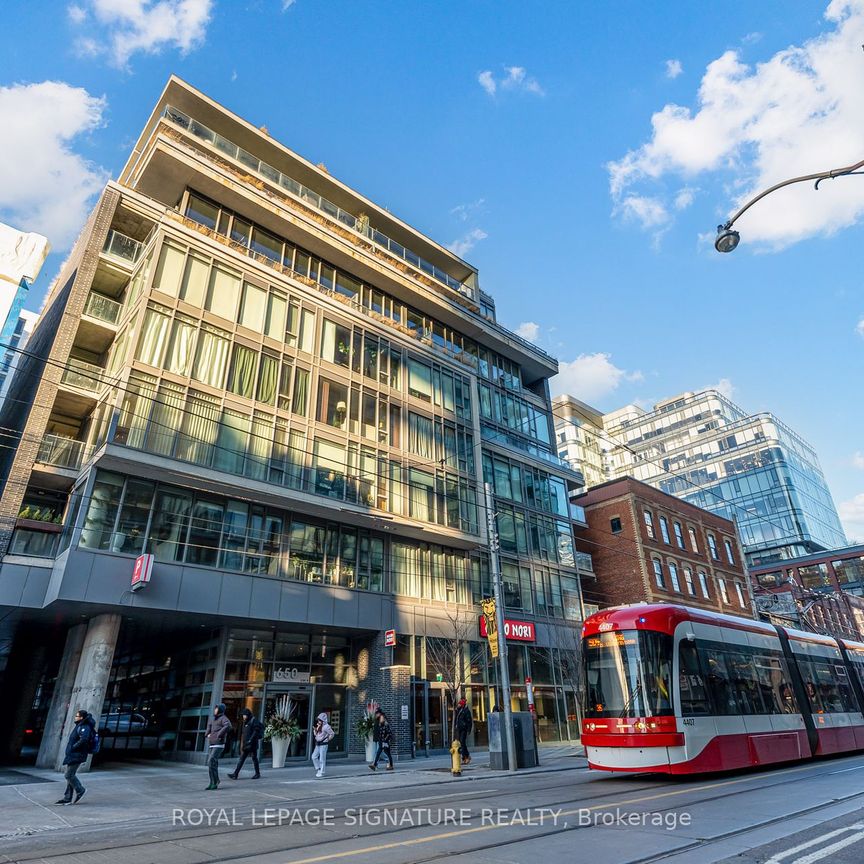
463,722
252,732
322,734
217,737
382,734
83,740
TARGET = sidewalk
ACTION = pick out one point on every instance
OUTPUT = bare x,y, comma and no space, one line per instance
123,795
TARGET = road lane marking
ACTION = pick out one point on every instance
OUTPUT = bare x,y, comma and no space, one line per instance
856,768
416,841
829,850
376,805
814,842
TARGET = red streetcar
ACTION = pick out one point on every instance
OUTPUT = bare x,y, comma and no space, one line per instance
676,690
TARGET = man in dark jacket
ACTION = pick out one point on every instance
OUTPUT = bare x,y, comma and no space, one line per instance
253,730
77,751
217,734
382,735
464,723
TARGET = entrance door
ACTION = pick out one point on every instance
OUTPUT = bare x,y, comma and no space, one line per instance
300,704
439,731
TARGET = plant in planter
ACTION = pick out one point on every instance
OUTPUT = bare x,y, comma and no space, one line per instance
282,730
364,728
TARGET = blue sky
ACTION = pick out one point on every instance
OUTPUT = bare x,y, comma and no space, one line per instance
580,155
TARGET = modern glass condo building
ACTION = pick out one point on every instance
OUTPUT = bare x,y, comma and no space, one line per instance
290,399
750,468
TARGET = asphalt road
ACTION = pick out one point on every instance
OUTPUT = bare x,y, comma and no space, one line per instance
563,813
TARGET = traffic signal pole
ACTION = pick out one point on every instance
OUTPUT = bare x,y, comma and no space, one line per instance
495,566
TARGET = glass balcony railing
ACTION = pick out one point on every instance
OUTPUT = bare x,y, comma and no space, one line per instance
83,376
584,562
120,246
102,308
61,452
308,196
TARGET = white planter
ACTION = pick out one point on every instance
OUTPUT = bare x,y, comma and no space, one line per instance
280,751
371,747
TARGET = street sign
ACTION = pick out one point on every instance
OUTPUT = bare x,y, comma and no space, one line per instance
141,572
389,638
404,712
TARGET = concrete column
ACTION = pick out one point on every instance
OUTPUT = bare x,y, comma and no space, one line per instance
52,738
91,679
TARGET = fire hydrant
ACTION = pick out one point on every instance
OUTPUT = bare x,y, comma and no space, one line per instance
455,759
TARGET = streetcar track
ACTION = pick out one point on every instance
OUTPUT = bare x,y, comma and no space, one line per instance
782,780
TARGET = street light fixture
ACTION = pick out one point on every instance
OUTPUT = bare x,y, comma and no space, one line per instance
727,240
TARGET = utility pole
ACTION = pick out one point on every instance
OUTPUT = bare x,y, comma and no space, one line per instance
504,666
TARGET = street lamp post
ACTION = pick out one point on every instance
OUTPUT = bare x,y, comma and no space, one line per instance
727,240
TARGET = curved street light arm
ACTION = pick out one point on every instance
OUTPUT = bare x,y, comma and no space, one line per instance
822,175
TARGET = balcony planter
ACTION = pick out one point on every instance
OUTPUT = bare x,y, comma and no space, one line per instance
39,525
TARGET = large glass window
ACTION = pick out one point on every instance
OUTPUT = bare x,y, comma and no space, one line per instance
223,293
336,343
199,430
332,403
234,429
165,419
181,349
132,524
169,270
628,673
102,511
167,540
154,336
195,278
419,380
253,307
205,530
211,357
242,377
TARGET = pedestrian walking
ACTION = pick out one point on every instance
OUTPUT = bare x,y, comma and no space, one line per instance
323,734
83,741
218,727
464,722
382,734
252,731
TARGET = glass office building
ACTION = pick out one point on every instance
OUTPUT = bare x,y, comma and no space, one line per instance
750,468
291,400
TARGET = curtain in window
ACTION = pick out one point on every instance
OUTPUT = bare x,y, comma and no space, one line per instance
211,358
267,379
242,379
254,304
154,335
200,429
422,495
275,326
169,270
165,419
137,402
259,447
231,441
168,530
194,281
420,436
301,392
420,380
223,294
182,348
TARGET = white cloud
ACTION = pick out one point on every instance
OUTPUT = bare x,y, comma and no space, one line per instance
673,68
515,78
528,330
858,460
44,185
794,113
859,328
467,242
487,82
590,377
684,198
852,517
121,28
649,212
464,211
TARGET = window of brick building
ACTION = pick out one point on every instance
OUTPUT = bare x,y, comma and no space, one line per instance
741,601
724,594
703,584
688,581
679,535
692,532
673,575
615,525
664,529
730,556
658,573
712,546
649,524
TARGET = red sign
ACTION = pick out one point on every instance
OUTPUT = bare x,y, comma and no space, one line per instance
515,631
389,638
142,571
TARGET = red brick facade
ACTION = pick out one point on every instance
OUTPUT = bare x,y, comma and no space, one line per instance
631,565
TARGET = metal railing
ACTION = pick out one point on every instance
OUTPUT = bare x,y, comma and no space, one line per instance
102,308
83,376
309,196
120,246
61,452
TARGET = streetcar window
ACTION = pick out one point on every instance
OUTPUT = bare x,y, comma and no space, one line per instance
694,693
827,685
628,674
775,685
745,683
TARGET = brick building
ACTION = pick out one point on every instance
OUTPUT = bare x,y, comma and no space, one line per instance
652,547
823,592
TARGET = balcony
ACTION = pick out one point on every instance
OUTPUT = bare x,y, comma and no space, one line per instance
121,248
102,308
83,376
61,452
313,199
